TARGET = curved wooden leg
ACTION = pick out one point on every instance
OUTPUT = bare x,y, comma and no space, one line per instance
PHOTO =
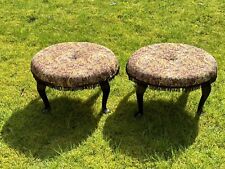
105,89
140,90
206,89
41,90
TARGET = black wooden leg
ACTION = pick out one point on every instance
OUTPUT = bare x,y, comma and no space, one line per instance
140,90
105,89
41,90
206,89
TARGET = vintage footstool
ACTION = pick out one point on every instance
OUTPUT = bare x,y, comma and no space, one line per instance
172,66
72,66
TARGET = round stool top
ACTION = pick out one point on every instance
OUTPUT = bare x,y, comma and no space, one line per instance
172,65
74,65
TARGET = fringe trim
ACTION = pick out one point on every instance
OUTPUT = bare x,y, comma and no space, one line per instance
86,86
166,88
74,88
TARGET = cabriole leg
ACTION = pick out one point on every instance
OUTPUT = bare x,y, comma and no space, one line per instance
41,90
140,90
206,89
105,89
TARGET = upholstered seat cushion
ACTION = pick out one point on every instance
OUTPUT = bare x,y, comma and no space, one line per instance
71,64
172,65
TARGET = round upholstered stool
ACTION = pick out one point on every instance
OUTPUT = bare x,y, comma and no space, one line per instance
172,66
71,66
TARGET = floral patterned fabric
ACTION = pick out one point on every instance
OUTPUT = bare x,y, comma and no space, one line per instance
72,64
172,65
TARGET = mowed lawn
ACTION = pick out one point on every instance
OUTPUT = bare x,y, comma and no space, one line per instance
76,134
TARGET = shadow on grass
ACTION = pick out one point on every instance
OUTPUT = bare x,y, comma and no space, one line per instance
47,135
165,130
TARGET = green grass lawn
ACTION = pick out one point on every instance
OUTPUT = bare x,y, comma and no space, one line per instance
76,134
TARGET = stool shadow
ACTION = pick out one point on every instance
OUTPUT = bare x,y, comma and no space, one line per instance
43,136
165,129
